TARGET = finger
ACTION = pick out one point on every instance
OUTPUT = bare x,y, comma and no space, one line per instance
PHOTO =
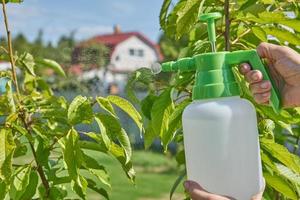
254,76
261,87
244,68
196,191
272,51
262,98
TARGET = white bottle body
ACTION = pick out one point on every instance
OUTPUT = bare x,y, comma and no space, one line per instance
222,147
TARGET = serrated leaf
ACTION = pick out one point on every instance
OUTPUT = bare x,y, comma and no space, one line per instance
128,108
52,65
20,183
187,16
283,35
111,124
72,153
80,186
174,123
143,76
282,154
32,186
12,1
161,111
92,185
164,12
280,185
105,139
27,61
149,135
259,33
288,174
96,169
106,105
119,154
7,147
125,143
146,105
80,111
10,97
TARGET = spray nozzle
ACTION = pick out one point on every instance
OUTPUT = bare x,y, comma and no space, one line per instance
211,30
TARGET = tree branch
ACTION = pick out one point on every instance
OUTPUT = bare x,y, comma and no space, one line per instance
10,50
227,26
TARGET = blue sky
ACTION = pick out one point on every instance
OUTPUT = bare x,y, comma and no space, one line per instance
87,17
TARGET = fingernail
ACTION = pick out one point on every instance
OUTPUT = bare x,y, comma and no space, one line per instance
266,94
255,77
264,85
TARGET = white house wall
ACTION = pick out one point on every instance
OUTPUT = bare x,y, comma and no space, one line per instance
129,62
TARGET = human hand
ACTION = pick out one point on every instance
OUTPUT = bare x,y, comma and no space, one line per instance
198,193
284,67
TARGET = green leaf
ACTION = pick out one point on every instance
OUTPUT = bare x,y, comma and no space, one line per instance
282,154
96,169
149,135
288,174
106,105
32,185
177,182
146,105
164,12
20,183
119,154
26,60
7,147
259,33
72,153
105,139
12,1
111,124
92,185
80,186
174,123
283,35
280,185
161,111
51,64
143,76
128,108
10,97
80,111
125,143
3,189
187,17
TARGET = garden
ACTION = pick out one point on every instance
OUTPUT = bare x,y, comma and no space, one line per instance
94,145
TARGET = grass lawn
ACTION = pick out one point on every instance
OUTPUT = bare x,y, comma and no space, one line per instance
155,175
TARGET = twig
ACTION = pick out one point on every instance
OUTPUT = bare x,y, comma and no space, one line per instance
240,36
10,50
39,167
227,26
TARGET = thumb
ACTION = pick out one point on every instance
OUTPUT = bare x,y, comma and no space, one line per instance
196,191
274,52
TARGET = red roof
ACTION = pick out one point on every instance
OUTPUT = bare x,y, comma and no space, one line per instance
112,40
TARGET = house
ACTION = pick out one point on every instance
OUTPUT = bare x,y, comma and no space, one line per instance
128,51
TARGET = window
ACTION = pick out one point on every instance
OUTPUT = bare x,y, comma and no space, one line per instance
136,52
141,53
117,58
131,52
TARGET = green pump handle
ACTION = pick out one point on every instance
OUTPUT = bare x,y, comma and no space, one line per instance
221,61
252,57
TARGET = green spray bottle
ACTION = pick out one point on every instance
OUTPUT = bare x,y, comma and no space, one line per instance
220,129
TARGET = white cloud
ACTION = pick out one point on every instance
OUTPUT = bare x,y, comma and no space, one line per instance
84,32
